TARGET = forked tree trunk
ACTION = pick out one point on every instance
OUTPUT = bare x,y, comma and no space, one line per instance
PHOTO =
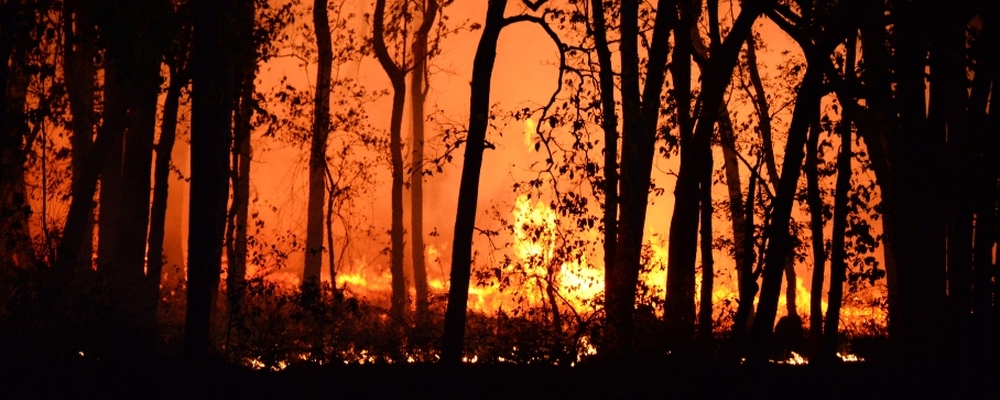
242,153
418,96
397,76
640,112
715,77
779,238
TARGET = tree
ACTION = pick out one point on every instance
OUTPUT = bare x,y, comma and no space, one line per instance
176,60
317,154
211,136
715,78
453,338
16,22
639,122
80,74
397,77
817,46
468,194
418,96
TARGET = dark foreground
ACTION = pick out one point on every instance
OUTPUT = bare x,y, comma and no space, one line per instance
174,380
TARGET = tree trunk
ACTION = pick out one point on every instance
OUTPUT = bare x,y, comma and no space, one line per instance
640,120
816,224
609,123
211,136
418,96
838,259
133,58
715,76
242,153
161,173
15,243
80,49
705,321
679,311
453,339
397,76
777,232
763,112
918,198
317,154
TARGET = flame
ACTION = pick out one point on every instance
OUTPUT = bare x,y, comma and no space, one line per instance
530,126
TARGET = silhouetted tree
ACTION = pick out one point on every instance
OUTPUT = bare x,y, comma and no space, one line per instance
817,46
317,153
418,96
211,136
695,140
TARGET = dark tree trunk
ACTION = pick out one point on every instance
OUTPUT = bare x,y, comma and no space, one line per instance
947,117
737,211
15,239
716,75
777,232
763,109
80,49
609,123
161,176
134,50
78,219
748,278
397,76
917,199
705,321
317,153
679,310
211,136
241,155
838,259
418,96
815,203
640,120
452,342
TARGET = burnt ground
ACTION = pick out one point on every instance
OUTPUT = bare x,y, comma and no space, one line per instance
172,380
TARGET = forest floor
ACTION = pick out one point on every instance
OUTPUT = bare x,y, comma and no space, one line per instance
172,380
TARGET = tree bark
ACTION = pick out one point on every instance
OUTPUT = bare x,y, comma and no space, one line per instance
80,49
161,174
705,320
640,120
838,259
715,77
211,136
453,339
777,232
418,96
15,244
609,123
133,54
815,203
397,76
317,154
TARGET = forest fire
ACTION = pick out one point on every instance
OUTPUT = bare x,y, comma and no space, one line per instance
280,185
